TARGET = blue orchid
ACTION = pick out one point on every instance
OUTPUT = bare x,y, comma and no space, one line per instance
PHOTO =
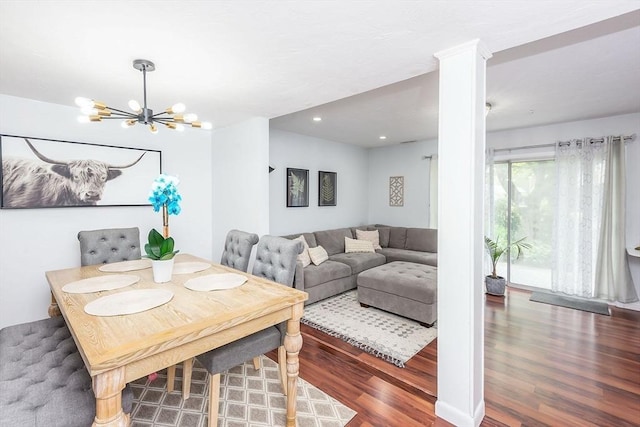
164,191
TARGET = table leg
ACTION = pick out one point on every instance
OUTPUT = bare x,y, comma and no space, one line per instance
107,388
293,344
54,309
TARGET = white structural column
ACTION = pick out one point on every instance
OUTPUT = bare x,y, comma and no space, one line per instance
461,145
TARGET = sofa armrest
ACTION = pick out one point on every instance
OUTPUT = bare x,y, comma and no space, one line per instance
298,279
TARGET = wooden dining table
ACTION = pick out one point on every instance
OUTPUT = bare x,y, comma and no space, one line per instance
122,348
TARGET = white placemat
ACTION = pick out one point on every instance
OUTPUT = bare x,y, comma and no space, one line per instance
215,282
189,267
128,302
100,283
136,264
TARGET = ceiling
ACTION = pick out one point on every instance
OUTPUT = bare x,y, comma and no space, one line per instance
229,61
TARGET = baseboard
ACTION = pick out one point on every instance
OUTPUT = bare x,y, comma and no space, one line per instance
458,418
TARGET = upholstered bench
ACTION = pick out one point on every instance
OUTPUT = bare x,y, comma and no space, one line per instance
404,288
43,380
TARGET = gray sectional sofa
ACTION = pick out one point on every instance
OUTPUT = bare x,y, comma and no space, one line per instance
339,273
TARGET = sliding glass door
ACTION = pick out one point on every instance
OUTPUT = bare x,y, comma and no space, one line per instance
522,203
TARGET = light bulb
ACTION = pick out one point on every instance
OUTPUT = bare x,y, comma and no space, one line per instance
134,105
179,127
88,110
128,123
190,117
207,125
177,108
153,128
83,119
84,102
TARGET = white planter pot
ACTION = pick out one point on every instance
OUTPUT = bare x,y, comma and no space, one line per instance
162,270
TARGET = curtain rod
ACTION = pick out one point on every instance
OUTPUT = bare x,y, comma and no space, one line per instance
579,141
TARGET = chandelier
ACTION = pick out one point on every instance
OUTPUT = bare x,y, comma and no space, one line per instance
173,117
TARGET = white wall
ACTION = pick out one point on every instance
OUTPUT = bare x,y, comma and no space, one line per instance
298,151
240,180
627,124
33,241
401,160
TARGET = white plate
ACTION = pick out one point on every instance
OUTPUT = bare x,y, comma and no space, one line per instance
136,264
189,267
215,282
100,283
128,302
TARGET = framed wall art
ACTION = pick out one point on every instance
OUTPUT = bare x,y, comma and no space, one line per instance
327,188
297,188
396,191
47,173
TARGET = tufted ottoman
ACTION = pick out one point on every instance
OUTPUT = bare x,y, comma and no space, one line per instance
404,288
43,381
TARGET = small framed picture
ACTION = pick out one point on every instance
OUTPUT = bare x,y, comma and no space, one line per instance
327,188
297,188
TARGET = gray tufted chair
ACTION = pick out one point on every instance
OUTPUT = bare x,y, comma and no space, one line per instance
109,245
275,260
237,249
43,380
236,254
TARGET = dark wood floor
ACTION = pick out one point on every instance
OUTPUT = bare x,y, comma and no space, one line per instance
544,366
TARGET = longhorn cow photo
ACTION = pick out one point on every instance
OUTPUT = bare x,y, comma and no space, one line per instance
41,181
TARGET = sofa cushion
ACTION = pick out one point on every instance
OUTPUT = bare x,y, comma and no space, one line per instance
384,235
393,254
309,237
371,235
359,261
329,270
318,255
397,237
422,239
333,240
354,245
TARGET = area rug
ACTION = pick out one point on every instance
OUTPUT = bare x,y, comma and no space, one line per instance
393,338
575,303
247,398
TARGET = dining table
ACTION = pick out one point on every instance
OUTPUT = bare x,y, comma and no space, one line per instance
126,326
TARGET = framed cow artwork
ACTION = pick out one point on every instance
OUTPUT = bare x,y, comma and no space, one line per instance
47,173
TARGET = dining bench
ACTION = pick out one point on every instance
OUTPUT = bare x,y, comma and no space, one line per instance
43,379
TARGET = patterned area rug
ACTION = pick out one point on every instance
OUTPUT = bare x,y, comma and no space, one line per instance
393,338
247,398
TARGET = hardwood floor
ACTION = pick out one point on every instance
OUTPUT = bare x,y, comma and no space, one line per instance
544,366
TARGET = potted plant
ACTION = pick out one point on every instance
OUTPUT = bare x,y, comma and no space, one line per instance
160,251
496,284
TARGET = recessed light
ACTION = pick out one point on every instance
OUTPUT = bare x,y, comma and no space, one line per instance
317,119
383,137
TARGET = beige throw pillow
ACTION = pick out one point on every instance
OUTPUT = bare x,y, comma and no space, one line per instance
318,255
372,236
304,257
353,245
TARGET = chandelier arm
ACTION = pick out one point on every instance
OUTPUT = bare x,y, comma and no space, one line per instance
126,113
164,120
118,117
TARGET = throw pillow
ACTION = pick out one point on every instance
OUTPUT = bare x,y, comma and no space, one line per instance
372,236
353,245
304,257
318,255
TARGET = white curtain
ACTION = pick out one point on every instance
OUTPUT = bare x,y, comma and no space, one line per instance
433,192
580,181
613,277
589,231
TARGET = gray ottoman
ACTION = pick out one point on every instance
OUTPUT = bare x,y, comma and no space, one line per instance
404,288
43,381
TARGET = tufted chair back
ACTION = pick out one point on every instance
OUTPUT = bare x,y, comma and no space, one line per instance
237,249
276,259
109,245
